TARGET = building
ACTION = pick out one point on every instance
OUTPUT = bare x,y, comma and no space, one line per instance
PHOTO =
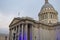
45,28
4,37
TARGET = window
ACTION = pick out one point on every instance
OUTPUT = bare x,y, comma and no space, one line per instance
51,16
42,17
45,16
49,8
46,8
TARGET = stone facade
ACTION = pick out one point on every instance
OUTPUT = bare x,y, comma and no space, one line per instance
27,28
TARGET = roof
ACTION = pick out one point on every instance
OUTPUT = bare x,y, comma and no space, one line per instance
47,7
18,19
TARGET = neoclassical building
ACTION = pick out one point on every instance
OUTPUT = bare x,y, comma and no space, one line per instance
46,28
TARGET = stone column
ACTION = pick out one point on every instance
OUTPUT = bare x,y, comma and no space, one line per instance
18,29
26,29
30,32
33,37
15,31
19,32
10,34
39,33
22,31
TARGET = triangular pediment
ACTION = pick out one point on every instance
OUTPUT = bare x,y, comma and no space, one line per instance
14,21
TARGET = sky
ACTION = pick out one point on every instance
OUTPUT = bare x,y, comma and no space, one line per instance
10,9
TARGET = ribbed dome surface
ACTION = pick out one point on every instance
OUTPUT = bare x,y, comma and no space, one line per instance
47,5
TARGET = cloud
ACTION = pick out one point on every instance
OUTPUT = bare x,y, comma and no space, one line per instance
4,22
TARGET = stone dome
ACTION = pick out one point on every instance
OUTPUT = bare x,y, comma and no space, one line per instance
47,7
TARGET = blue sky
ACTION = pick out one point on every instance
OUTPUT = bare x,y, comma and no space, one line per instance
10,8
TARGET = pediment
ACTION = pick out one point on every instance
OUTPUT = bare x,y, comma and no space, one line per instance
14,21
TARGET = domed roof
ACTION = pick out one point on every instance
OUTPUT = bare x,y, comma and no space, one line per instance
47,7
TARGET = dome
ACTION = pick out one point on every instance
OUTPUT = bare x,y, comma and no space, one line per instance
48,14
47,7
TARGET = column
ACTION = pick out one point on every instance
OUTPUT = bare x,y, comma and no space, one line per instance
26,26
10,34
18,32
39,33
15,32
22,31
31,32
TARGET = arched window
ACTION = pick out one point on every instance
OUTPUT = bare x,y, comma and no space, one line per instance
45,16
51,16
